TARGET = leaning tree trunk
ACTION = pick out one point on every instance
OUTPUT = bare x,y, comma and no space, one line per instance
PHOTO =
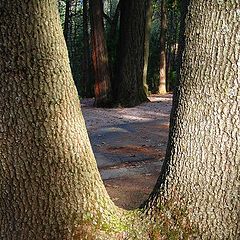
163,62
128,83
102,87
49,182
201,170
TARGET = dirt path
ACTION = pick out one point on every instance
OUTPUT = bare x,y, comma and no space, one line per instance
129,145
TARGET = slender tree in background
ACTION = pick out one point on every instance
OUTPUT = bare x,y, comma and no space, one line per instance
86,50
102,88
163,62
128,84
67,20
172,43
148,22
50,186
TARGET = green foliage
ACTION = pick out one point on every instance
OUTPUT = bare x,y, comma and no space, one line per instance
75,41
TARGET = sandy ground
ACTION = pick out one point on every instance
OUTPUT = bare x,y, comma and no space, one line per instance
129,145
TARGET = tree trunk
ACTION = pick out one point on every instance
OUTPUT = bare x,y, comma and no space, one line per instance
67,20
48,174
128,87
86,50
148,24
50,186
102,88
163,62
201,169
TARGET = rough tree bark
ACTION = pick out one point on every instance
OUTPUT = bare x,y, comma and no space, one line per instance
102,87
201,170
49,180
128,83
163,62
50,186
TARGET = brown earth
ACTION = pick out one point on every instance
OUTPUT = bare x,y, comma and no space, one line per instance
129,145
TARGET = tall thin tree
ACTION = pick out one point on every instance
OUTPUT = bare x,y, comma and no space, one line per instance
163,62
102,87
86,50
67,20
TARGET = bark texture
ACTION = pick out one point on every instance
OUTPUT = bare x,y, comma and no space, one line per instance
49,182
128,87
201,170
163,62
101,71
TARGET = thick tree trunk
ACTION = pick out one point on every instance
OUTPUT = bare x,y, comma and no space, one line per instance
102,88
163,62
148,24
128,85
49,182
201,170
50,186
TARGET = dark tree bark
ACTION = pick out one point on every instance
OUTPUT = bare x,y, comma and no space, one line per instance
163,62
86,50
128,84
102,88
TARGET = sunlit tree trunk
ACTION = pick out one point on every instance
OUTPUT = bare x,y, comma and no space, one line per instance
50,186
49,182
102,88
201,172
163,62
148,24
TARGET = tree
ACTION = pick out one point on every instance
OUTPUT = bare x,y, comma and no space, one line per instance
128,84
148,23
201,168
50,186
102,88
163,62
67,20
46,158
86,50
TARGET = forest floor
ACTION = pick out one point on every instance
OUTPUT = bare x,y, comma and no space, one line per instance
129,145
